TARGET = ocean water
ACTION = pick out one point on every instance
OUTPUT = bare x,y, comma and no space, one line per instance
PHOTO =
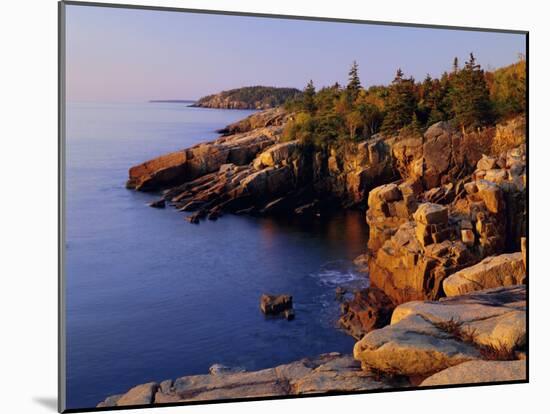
150,296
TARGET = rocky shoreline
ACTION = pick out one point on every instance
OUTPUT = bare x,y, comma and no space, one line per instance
425,345
331,372
446,256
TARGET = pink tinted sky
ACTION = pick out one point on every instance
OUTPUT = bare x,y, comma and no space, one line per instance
116,54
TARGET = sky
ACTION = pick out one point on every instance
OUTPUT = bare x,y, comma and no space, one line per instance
129,55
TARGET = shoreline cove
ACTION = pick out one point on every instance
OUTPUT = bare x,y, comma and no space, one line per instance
143,321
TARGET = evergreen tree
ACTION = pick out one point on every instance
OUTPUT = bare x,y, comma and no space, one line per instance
455,65
354,84
432,105
469,96
401,104
309,95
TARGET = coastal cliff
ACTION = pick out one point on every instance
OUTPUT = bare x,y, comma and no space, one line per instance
255,171
445,200
445,261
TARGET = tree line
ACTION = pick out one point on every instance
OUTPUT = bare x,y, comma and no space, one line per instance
255,95
467,96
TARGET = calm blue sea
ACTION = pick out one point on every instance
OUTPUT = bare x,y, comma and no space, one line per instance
150,296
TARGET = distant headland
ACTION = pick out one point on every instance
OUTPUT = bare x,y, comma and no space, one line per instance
248,97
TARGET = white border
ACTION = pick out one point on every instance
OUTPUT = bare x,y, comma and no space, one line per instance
29,202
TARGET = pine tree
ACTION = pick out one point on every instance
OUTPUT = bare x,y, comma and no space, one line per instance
469,96
432,106
455,65
309,95
354,84
401,104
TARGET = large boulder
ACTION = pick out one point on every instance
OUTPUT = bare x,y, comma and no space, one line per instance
438,153
491,272
275,304
425,337
412,347
475,372
492,318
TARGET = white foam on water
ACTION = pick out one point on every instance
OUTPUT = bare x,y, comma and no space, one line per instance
341,273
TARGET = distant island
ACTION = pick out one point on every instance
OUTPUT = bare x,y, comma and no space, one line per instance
186,101
248,97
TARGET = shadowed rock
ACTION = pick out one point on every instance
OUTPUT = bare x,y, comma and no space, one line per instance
369,309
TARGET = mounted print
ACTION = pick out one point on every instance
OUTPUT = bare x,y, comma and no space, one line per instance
260,207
